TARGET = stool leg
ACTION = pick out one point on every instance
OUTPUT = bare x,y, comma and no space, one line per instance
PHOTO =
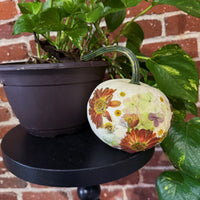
89,192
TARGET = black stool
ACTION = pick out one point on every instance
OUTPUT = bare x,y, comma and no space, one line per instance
78,160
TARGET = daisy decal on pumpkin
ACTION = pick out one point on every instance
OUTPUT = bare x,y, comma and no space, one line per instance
138,140
101,100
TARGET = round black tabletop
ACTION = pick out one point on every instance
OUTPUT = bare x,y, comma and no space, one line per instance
74,160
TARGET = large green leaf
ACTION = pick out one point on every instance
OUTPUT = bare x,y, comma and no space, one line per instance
191,7
172,185
175,72
30,7
182,146
131,3
116,17
50,20
134,34
24,23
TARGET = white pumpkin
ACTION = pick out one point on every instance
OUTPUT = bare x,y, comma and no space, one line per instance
127,116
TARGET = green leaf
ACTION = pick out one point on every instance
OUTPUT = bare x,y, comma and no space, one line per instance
96,13
71,6
116,17
182,146
191,7
24,23
191,107
50,20
79,29
134,34
172,185
30,7
131,3
175,72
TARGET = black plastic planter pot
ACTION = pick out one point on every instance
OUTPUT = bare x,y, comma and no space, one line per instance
51,99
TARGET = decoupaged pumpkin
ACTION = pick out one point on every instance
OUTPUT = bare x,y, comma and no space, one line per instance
127,114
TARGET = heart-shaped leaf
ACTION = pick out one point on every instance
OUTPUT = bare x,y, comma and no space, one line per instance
191,7
114,19
173,185
175,72
24,23
50,20
182,146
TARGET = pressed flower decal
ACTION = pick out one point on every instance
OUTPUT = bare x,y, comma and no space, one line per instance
101,100
138,140
156,118
130,120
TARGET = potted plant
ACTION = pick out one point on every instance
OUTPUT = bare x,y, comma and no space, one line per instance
50,93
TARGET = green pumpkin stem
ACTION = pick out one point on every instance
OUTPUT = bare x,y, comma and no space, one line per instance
123,50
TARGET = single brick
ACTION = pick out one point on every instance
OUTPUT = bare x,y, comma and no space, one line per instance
8,196
140,193
57,195
188,45
7,10
4,114
128,180
192,23
3,95
151,28
180,24
5,129
12,183
175,25
150,176
13,52
158,159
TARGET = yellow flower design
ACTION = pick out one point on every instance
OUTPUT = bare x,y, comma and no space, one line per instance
118,113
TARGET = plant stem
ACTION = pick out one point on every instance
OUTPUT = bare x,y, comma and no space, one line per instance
38,48
142,13
123,50
51,5
142,57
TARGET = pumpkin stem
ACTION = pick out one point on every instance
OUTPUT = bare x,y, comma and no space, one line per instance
123,50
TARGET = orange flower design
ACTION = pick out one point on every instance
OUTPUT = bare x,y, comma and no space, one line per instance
138,140
131,120
101,100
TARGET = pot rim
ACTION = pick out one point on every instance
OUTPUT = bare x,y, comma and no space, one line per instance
48,66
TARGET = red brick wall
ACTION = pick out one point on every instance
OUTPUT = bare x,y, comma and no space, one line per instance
162,25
